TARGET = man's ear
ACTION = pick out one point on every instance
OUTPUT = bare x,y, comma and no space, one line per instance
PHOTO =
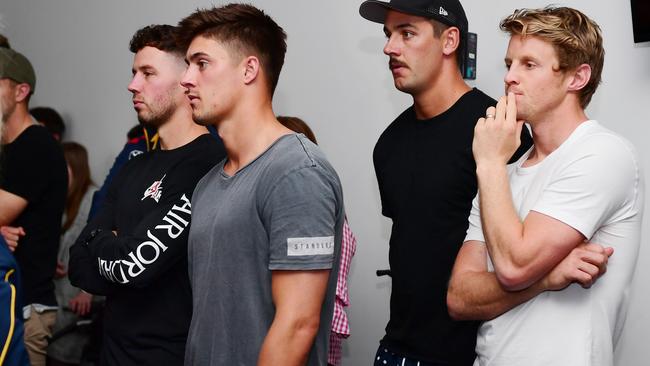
251,69
450,40
22,92
579,77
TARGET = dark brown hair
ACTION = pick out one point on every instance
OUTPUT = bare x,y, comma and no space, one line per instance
4,42
297,125
245,29
160,36
77,158
576,38
50,118
439,28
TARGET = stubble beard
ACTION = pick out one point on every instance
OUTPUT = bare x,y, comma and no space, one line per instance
2,123
405,87
204,118
7,110
158,118
201,119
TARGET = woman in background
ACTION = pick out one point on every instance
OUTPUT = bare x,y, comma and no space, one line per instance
73,302
340,329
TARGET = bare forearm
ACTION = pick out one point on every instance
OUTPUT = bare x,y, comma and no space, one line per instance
502,227
480,296
287,343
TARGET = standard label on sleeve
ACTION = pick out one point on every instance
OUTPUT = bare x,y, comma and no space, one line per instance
319,245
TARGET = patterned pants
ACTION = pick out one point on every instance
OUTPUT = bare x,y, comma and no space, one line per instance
385,357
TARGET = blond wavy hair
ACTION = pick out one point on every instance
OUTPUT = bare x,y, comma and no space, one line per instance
576,38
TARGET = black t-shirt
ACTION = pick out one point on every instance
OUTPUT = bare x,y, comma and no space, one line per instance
33,167
427,180
143,270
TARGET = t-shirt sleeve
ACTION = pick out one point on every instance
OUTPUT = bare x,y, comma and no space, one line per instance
475,229
25,168
597,186
300,215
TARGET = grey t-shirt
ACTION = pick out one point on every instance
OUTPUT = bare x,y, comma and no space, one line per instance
283,211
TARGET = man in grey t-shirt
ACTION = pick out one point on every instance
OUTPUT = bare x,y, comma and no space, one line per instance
266,229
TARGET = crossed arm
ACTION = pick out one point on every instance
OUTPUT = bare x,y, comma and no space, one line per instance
103,259
476,294
537,254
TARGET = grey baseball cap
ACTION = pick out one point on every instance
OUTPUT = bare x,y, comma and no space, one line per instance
15,66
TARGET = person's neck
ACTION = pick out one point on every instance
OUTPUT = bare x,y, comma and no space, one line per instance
179,130
550,130
15,124
442,93
247,132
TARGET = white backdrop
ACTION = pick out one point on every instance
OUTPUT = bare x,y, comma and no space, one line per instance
336,78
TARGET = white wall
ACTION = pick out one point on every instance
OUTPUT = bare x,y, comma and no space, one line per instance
337,79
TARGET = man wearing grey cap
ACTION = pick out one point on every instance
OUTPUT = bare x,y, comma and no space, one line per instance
426,175
33,188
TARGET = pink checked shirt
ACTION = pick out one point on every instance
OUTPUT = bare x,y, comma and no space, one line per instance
340,325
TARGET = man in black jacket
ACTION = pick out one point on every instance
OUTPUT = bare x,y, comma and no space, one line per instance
134,250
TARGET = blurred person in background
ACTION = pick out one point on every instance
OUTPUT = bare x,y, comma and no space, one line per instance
32,196
50,119
74,303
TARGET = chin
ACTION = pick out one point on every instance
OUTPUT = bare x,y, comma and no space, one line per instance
404,88
202,120
522,116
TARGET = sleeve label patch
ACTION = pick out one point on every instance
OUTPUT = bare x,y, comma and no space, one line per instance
319,245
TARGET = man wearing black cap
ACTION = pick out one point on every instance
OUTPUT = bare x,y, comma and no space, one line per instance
426,175
33,185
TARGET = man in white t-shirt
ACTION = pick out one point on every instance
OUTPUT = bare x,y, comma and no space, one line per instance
525,266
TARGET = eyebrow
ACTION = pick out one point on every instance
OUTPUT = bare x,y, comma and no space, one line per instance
196,55
400,26
524,59
142,67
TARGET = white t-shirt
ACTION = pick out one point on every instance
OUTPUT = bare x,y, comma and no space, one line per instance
593,183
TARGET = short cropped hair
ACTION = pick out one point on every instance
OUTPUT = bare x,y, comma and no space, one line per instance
4,42
50,118
576,39
245,29
160,36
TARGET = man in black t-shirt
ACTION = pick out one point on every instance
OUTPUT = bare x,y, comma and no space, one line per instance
134,250
33,186
426,176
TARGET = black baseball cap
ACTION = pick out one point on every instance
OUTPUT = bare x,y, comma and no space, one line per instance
448,12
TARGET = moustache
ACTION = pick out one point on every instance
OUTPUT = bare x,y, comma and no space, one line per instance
393,63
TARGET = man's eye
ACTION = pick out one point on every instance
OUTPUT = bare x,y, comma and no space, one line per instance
408,34
202,64
530,65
